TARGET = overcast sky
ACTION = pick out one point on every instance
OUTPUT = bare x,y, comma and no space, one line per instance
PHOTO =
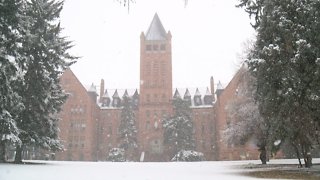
207,38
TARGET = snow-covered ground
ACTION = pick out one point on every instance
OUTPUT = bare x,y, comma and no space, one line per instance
55,170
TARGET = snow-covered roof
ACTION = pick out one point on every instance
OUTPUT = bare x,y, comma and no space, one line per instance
201,92
106,95
219,86
92,88
208,93
116,93
191,93
187,93
197,93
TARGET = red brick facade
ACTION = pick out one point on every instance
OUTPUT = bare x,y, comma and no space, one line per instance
228,151
78,121
89,125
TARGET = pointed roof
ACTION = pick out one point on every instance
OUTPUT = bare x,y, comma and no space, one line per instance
125,94
156,30
135,94
115,95
176,94
208,93
219,86
197,93
92,88
106,95
187,94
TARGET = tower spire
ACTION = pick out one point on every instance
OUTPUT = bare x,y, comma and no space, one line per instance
156,30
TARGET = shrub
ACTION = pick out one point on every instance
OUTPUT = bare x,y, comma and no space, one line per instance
188,155
116,155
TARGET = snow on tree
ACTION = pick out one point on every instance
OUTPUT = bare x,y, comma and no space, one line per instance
188,156
10,102
116,155
286,63
178,129
244,120
44,58
127,128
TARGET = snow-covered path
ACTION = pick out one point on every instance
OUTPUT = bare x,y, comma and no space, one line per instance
55,170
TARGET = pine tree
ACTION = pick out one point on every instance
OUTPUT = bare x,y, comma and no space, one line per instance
45,57
286,63
178,129
127,128
10,102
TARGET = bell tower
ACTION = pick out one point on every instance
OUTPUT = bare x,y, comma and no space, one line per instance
155,88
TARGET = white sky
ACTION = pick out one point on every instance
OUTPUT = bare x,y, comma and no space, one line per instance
207,38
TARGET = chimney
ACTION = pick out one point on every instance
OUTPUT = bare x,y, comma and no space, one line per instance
212,88
101,90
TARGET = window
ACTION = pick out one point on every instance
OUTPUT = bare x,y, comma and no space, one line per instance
148,98
148,113
148,125
156,68
148,47
156,147
155,47
164,113
155,113
162,47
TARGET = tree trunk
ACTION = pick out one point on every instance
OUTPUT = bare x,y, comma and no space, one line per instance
307,155
3,153
298,155
18,157
308,160
263,155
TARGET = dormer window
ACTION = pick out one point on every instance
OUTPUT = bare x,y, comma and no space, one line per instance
198,101
115,102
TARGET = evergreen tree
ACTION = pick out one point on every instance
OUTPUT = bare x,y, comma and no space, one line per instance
178,129
286,63
10,102
45,57
127,128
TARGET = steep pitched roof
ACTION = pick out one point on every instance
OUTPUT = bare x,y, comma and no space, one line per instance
197,93
208,93
156,30
187,94
176,95
116,95
125,94
92,89
106,94
219,86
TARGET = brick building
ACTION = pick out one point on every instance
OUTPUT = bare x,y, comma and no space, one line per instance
225,151
90,121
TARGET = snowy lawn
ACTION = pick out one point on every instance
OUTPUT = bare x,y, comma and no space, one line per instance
55,170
